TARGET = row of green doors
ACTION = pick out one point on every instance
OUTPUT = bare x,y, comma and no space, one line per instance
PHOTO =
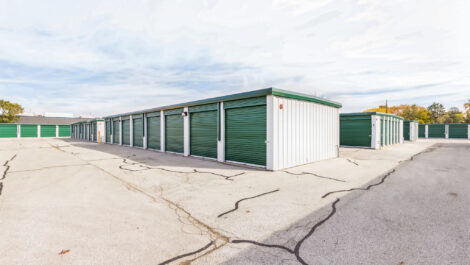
245,130
31,130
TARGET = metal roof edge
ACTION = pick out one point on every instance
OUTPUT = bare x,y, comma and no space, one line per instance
236,96
371,113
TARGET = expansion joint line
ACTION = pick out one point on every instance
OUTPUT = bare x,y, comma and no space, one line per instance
7,165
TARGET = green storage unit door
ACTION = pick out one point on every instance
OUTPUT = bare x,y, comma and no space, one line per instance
458,131
108,131
48,131
126,132
64,130
29,130
406,130
356,131
95,132
245,135
153,133
138,132
436,131
203,133
174,133
116,132
8,131
387,131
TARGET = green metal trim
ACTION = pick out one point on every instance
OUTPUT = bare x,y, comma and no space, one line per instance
244,95
206,107
173,112
125,117
153,114
218,121
370,114
248,102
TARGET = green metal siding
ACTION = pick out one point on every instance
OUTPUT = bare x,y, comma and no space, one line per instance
8,131
406,130
245,134
153,132
259,101
203,133
436,131
356,131
174,133
48,131
422,131
108,131
387,131
138,130
458,131
64,130
95,132
29,130
116,132
126,132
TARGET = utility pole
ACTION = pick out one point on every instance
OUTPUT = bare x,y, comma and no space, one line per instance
386,106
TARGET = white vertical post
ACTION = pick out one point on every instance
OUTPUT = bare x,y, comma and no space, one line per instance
162,131
144,116
383,121
447,131
57,131
426,131
389,131
402,138
186,132
39,131
111,131
18,131
375,134
269,133
221,142
131,130
120,131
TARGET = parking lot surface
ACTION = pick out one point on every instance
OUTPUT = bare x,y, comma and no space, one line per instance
73,202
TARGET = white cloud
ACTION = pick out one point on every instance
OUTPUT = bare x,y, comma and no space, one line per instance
103,57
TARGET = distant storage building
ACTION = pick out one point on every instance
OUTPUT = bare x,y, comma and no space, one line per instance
89,130
370,129
410,130
269,128
37,127
451,130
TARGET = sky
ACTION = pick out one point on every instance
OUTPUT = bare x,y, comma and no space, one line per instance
93,57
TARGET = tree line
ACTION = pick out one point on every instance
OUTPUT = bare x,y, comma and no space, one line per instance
9,111
434,113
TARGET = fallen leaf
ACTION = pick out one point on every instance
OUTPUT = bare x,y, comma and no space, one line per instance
64,251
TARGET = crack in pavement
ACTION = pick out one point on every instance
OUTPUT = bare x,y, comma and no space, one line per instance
244,199
51,167
353,162
195,171
187,254
6,164
313,174
179,211
296,250
366,188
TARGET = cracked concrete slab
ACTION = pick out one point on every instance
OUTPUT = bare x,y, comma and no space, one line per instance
76,189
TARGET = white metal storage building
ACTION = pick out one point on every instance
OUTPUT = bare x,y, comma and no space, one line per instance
270,128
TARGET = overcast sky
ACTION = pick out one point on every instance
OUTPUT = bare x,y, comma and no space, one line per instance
104,57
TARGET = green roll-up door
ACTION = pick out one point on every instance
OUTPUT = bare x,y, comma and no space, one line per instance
126,132
138,132
436,131
245,134
64,130
108,131
406,130
356,131
116,133
174,133
95,132
29,130
203,133
8,130
48,130
153,132
458,131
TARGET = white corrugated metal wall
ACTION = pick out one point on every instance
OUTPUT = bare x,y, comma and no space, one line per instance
302,132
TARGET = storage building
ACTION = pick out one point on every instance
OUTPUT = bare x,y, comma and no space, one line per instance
37,127
92,130
410,130
451,130
270,128
370,129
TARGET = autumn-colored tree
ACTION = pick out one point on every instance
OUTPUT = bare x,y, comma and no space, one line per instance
454,115
408,112
467,111
9,111
437,111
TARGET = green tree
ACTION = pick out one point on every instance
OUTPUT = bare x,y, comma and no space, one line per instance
467,111
9,111
437,111
415,112
454,115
